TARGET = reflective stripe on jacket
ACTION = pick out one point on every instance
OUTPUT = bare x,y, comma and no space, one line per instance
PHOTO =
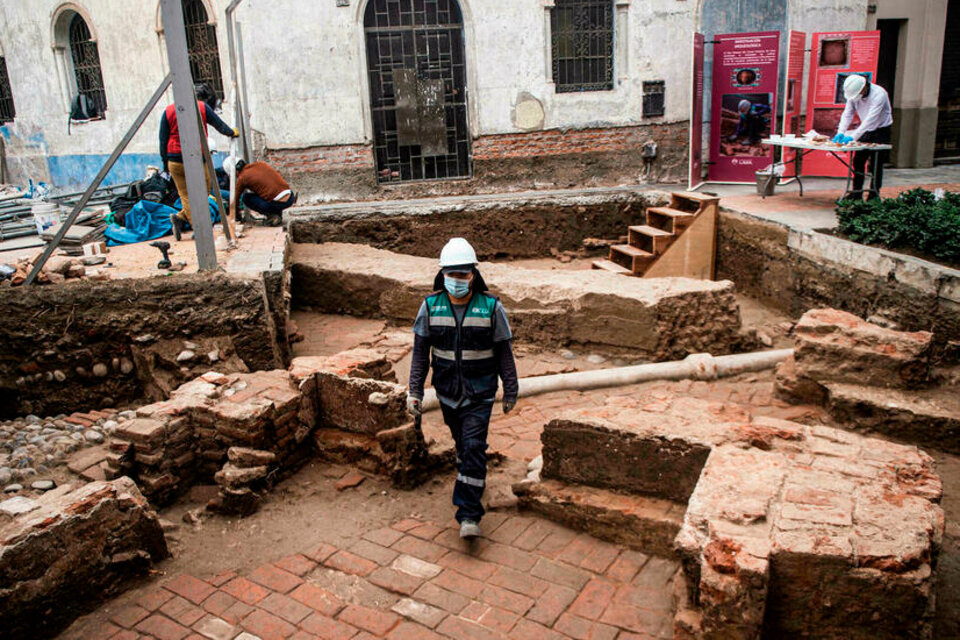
462,355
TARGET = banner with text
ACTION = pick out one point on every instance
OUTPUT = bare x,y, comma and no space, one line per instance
833,58
696,115
793,105
745,74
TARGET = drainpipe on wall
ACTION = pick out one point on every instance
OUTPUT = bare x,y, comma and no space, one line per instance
240,97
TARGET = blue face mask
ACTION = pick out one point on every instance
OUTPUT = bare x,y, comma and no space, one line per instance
456,287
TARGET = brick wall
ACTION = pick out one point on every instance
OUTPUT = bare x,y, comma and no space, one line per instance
351,156
549,159
555,142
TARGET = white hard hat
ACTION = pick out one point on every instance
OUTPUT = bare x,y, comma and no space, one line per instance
853,85
457,252
744,104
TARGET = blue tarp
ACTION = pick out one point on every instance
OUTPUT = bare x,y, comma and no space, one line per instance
148,221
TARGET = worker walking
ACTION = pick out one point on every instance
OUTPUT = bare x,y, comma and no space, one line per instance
468,333
872,104
171,151
267,192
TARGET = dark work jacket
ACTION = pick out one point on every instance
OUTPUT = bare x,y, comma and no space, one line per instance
463,357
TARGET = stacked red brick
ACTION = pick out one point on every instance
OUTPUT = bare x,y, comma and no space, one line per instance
174,442
871,377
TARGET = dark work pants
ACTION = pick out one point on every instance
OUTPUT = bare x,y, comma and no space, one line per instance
469,425
266,207
860,158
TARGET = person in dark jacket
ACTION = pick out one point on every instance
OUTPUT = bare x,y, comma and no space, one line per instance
267,192
172,153
462,332
753,122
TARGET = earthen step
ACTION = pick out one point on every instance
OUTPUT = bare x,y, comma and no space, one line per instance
630,257
650,239
607,265
639,522
670,220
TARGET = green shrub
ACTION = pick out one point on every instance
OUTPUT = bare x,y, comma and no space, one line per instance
913,220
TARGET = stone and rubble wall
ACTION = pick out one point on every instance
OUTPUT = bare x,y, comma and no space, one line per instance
513,226
799,269
661,319
70,548
69,346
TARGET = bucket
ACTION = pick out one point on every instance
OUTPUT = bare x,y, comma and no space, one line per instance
766,182
45,215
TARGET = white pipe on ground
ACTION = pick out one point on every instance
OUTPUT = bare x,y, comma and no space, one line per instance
699,366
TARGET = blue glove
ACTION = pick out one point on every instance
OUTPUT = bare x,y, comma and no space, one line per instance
846,140
838,138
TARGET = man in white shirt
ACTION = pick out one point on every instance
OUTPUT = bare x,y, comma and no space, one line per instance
872,104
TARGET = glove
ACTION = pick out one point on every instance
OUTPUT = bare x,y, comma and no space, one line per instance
846,140
509,404
838,138
236,133
414,406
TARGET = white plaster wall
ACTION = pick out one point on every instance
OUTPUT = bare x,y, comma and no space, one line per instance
305,63
130,60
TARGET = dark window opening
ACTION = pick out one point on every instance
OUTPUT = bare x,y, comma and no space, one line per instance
582,43
7,109
86,63
654,99
202,46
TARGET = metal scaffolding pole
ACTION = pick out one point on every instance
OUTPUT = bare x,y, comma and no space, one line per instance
188,123
104,170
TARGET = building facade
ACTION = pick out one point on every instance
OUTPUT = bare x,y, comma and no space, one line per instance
385,98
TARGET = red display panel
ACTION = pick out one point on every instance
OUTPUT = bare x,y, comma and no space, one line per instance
793,100
745,70
833,57
696,115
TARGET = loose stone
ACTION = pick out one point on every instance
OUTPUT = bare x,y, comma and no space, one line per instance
43,485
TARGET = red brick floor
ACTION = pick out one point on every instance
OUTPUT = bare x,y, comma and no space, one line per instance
530,578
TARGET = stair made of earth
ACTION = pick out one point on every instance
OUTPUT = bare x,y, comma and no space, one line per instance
647,243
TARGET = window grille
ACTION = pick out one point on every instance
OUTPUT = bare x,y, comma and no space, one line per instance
202,46
654,103
7,110
86,63
582,44
416,65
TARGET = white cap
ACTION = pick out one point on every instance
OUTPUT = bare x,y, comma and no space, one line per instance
457,252
744,104
853,85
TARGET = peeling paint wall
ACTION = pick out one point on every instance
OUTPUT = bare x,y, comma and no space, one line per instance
306,72
132,65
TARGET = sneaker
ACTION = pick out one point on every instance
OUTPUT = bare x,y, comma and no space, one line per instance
469,530
177,226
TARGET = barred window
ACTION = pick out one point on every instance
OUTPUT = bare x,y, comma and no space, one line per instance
582,44
654,103
7,110
86,63
202,46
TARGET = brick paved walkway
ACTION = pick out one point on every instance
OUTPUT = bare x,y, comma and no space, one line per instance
529,579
